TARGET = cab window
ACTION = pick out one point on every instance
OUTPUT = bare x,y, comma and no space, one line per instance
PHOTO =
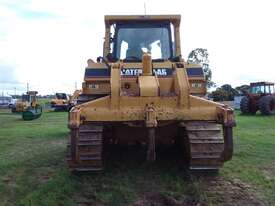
132,40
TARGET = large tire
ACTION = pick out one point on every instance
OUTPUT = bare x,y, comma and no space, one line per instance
245,106
267,105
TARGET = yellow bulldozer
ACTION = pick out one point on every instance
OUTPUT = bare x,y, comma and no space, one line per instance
142,91
60,102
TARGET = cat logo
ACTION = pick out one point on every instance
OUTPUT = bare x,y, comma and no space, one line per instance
136,71
130,72
160,72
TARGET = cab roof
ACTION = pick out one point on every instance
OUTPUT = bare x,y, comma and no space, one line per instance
111,19
261,83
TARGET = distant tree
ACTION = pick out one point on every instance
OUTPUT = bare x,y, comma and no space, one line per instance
218,95
200,56
224,93
230,92
242,89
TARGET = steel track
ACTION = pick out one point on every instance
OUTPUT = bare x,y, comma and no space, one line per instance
85,149
204,144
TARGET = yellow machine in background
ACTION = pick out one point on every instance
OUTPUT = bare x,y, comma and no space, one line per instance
74,98
27,100
60,102
142,91
28,106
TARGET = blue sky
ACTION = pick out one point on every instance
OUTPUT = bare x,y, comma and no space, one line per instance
47,43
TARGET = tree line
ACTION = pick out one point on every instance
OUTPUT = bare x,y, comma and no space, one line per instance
227,93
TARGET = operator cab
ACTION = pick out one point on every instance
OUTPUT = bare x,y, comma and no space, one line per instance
29,97
128,38
132,40
61,96
262,88
26,98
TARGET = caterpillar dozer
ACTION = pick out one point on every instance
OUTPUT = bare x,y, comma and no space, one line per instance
60,102
142,91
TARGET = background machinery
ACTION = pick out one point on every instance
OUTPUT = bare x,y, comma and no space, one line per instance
74,98
28,106
142,91
261,96
60,102
33,110
25,101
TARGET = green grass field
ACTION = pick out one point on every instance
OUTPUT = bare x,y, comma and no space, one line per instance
44,101
33,169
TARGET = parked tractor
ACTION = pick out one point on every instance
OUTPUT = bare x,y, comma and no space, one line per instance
60,102
33,110
28,106
261,96
25,102
142,92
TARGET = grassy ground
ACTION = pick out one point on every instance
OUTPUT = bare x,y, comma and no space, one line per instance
44,102
33,169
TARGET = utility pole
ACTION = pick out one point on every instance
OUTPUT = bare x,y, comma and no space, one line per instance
27,86
14,91
145,8
75,86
